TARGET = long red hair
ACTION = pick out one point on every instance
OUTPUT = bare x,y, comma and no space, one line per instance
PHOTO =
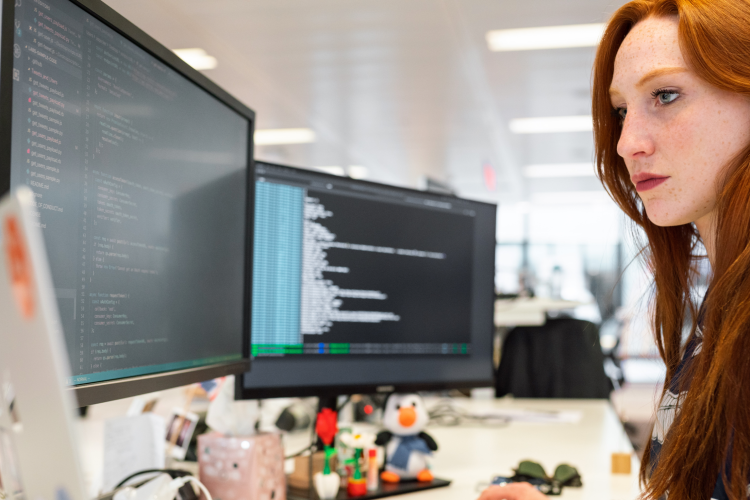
711,436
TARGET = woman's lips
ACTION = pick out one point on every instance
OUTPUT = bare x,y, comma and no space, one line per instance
651,183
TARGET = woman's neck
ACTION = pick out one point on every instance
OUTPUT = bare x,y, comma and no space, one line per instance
706,226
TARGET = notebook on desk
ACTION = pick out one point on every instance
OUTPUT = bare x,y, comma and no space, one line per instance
38,451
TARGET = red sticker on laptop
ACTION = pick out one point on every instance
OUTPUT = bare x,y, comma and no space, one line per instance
19,267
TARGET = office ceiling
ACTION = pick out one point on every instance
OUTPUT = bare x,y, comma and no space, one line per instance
406,88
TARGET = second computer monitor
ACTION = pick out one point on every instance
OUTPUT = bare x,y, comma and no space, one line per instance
360,287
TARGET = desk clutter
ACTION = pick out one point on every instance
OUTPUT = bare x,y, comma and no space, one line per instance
253,466
344,460
348,454
235,461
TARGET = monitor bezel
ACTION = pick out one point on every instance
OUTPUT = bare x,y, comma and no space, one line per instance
88,394
241,392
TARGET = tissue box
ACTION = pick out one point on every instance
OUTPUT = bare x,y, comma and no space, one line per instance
238,468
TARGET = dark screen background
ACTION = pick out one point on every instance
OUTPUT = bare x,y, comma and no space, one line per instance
431,296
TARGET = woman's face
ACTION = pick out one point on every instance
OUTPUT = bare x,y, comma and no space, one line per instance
678,131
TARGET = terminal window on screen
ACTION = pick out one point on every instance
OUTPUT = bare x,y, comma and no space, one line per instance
337,273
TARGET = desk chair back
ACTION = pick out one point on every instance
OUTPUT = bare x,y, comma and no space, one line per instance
561,359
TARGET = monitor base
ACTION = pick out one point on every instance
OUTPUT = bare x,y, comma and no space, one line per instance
384,490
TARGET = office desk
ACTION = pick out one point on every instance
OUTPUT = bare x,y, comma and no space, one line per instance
473,453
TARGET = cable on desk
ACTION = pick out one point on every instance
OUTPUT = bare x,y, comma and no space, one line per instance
346,401
447,413
174,473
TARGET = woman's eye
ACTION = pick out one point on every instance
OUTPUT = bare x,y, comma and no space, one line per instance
622,112
667,97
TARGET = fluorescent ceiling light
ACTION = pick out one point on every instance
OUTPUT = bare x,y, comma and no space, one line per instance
550,37
334,169
582,123
559,170
197,58
570,198
358,172
283,136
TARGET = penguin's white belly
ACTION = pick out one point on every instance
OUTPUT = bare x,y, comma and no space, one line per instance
417,461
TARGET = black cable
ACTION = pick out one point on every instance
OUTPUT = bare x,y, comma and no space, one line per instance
312,447
348,398
174,473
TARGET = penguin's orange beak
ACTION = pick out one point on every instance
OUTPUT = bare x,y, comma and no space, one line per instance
407,416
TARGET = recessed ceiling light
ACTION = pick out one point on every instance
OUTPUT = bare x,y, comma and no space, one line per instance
559,170
549,37
358,172
333,169
197,58
582,123
273,136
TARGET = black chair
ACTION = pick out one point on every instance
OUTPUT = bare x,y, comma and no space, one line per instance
561,359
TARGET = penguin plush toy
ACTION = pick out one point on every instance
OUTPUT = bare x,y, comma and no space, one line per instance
407,446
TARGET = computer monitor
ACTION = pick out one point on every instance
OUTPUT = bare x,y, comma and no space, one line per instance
140,171
361,287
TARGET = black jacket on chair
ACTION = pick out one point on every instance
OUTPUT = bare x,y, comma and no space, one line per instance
561,359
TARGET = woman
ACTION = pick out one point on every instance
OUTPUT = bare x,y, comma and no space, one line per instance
671,108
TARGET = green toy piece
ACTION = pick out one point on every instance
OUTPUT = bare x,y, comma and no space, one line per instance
330,451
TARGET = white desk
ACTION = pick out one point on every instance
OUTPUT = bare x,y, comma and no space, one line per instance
472,454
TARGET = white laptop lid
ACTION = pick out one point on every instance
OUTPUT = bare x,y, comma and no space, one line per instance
39,430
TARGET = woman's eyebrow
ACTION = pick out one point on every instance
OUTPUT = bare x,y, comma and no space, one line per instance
659,72
656,73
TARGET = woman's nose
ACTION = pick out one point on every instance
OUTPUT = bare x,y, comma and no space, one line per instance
635,138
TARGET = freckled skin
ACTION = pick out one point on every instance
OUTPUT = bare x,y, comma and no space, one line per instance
690,140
